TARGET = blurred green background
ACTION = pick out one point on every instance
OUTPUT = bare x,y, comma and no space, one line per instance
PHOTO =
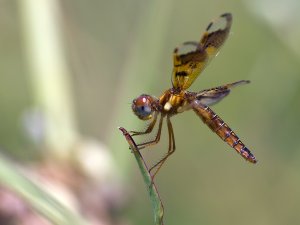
114,51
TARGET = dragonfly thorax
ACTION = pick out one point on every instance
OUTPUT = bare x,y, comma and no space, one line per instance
173,103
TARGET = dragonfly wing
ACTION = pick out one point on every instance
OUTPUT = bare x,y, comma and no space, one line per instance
216,34
214,95
189,64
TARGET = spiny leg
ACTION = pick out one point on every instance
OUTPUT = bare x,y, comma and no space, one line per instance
149,128
157,137
171,149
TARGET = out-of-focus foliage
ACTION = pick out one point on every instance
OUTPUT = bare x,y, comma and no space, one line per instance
117,50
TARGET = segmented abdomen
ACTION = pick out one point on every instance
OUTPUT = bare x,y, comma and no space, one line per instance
217,125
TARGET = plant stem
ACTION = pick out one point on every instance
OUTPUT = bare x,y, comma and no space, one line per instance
157,205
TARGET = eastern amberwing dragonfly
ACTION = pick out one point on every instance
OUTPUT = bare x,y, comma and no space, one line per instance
188,64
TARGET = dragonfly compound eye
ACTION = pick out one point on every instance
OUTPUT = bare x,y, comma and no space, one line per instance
142,107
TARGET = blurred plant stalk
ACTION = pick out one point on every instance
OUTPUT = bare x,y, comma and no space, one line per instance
40,200
49,74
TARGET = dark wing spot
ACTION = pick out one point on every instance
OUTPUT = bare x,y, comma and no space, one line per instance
181,74
195,56
209,26
228,15
216,39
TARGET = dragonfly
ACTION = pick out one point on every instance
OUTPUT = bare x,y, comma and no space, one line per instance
190,59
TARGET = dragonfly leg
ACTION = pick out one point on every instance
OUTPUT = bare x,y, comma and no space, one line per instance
157,137
171,149
149,128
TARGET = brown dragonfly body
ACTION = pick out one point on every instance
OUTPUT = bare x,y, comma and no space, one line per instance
187,66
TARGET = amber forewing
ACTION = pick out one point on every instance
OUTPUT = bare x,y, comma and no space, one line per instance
188,66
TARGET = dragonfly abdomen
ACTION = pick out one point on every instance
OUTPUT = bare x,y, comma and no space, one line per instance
217,125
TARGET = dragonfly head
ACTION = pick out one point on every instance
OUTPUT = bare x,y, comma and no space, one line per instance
144,106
